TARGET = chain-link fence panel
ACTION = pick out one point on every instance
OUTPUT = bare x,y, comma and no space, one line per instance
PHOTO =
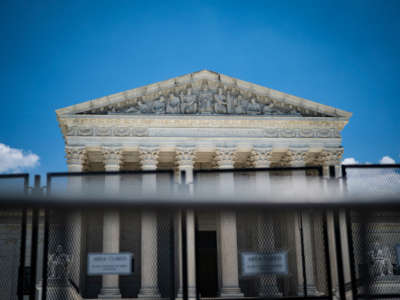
14,263
75,237
10,241
376,244
64,259
283,254
372,181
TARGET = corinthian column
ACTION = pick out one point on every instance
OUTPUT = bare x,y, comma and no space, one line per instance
185,157
149,253
76,158
227,234
111,222
303,219
260,157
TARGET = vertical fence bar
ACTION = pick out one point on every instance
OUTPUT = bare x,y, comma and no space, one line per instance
45,253
34,248
196,252
339,256
21,273
35,240
353,276
364,273
184,257
327,255
172,255
303,258
46,243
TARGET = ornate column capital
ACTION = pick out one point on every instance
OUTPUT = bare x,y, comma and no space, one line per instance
76,157
225,157
149,157
333,156
260,157
112,158
297,157
185,156
326,157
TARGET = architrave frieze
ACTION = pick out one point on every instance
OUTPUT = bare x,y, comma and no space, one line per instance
118,131
105,125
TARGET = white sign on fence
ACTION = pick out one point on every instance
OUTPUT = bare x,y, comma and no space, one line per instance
109,263
254,263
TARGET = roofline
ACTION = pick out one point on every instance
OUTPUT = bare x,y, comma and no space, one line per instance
200,75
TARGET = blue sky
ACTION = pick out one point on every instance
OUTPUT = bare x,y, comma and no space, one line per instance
339,53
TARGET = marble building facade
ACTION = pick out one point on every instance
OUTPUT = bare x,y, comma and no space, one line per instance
202,120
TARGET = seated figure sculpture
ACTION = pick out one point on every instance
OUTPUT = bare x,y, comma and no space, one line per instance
220,106
188,102
58,264
158,105
241,105
205,101
173,105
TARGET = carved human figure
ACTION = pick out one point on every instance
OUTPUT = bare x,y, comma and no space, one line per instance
188,102
58,264
380,260
220,105
253,108
144,107
387,260
205,100
269,109
132,109
158,105
241,105
173,104
230,103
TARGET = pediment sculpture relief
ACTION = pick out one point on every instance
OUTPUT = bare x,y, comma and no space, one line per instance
204,100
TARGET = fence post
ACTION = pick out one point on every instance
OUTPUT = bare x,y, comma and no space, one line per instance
46,243
35,240
184,257
327,254
339,256
21,272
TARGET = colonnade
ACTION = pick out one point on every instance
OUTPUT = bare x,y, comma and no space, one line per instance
185,157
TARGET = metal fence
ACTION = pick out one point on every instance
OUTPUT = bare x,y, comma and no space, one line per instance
374,234
15,262
197,240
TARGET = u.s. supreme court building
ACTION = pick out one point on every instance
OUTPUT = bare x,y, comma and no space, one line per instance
199,121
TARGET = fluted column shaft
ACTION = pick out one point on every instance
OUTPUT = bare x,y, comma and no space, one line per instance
303,219
185,157
261,158
111,222
149,247
228,246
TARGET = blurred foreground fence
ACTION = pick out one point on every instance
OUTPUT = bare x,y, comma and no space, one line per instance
277,233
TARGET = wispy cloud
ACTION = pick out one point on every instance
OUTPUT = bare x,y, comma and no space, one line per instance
387,160
384,160
349,161
15,160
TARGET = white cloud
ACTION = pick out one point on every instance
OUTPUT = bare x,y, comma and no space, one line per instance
349,161
387,160
14,160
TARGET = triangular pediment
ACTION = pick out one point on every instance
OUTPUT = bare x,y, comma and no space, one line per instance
203,93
